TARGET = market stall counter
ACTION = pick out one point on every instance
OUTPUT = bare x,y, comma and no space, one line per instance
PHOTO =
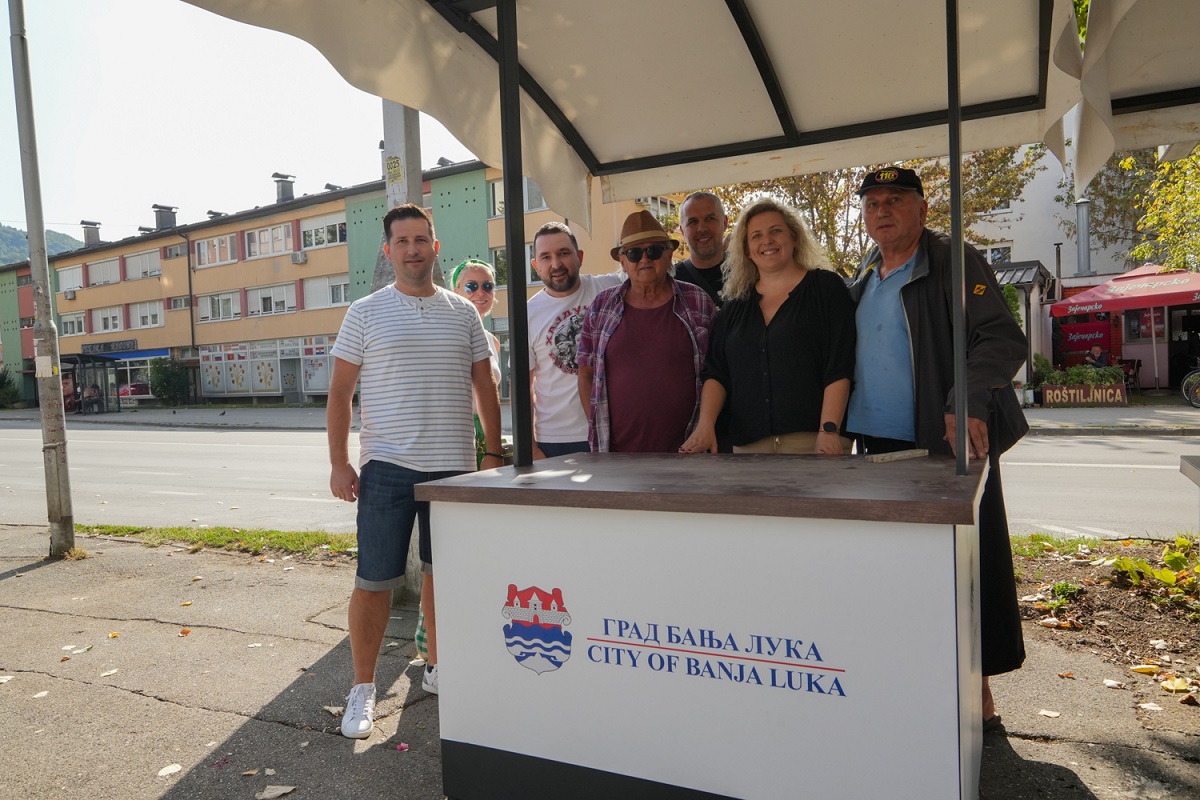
718,626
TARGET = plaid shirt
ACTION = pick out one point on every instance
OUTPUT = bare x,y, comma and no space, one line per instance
691,305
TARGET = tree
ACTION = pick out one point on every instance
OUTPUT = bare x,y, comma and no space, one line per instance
1118,195
169,379
991,179
1012,299
1171,223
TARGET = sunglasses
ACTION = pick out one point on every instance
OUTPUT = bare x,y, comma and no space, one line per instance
473,286
654,251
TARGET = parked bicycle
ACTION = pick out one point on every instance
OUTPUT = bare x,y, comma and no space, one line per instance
1191,386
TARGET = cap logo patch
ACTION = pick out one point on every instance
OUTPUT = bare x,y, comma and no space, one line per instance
886,175
980,289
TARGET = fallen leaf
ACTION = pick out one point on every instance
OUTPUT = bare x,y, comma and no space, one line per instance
1174,685
185,631
392,644
81,650
335,710
1158,644
5,678
40,694
106,674
256,644
251,771
1150,706
1048,622
1189,700
1051,714
304,744
169,770
197,578
1146,669
1111,684
268,771
1070,675
70,646
113,635
186,603
286,569
271,792
64,658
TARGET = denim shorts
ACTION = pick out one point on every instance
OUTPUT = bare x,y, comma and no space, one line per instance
387,509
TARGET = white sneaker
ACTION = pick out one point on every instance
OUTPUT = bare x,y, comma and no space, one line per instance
359,717
429,679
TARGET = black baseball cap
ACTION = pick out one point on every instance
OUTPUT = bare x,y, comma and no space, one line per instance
892,178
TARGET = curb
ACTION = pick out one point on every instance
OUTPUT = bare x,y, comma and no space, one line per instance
1065,431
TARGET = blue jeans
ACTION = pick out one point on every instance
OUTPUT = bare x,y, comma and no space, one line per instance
552,449
387,509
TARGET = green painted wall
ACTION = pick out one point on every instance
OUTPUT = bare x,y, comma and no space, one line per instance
10,324
459,205
364,234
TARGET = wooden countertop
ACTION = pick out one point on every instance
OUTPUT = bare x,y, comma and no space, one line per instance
815,487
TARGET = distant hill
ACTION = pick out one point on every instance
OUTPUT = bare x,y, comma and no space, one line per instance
15,247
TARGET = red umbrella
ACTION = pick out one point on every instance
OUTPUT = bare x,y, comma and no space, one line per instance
1148,285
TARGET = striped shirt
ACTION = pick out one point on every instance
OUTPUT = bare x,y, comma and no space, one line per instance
415,355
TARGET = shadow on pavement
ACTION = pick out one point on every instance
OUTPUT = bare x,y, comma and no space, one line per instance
1004,775
294,736
26,569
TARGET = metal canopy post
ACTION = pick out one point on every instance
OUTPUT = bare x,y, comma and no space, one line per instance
514,227
958,282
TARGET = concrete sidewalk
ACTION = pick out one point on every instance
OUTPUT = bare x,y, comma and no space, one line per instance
267,650
1172,419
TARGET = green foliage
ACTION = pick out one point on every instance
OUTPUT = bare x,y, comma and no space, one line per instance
1172,219
827,200
1083,375
14,244
9,393
1012,298
1081,15
1041,369
246,541
1120,194
169,379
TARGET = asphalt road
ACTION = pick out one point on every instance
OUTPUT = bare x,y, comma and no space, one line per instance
1101,485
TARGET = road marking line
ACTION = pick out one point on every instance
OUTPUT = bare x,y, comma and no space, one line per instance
1094,466
151,472
1056,529
1103,531
308,499
182,494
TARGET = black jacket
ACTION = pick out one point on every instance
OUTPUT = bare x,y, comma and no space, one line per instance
996,346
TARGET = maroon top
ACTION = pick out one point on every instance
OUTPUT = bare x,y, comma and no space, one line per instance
651,381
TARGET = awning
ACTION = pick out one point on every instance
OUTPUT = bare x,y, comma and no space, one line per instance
1140,81
1144,287
676,95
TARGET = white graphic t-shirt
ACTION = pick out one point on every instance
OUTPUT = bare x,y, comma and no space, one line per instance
554,324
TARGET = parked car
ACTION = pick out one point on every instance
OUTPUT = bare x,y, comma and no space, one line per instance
134,389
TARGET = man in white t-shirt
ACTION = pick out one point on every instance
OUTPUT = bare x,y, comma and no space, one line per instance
418,352
555,319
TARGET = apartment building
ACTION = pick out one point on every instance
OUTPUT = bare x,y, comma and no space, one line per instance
251,301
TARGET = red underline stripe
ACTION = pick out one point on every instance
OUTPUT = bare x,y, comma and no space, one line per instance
722,654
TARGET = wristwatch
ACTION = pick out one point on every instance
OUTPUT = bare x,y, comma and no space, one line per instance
829,427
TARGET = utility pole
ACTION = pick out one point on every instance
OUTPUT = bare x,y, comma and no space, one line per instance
45,335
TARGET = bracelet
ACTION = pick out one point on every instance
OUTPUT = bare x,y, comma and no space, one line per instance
495,455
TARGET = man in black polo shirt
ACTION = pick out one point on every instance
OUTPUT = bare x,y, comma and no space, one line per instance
702,221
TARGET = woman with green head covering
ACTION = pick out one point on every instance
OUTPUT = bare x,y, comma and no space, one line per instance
476,281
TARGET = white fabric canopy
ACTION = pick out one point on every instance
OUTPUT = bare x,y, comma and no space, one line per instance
681,94
1140,81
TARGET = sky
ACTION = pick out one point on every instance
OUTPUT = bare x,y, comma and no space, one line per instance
138,102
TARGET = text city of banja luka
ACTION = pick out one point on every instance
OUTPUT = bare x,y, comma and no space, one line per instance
775,662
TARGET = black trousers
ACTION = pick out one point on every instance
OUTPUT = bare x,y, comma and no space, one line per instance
1002,642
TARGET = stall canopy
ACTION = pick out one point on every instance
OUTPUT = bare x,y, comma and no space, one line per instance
1146,286
1140,81
674,95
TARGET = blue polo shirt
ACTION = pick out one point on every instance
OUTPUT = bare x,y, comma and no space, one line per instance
882,401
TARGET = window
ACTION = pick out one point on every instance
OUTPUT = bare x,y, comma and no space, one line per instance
72,325
226,305
660,207
70,278
533,197
27,322
24,280
142,265
1001,207
279,299
103,272
106,319
997,253
323,231
220,250
176,250
326,291
499,258
181,302
269,241
146,315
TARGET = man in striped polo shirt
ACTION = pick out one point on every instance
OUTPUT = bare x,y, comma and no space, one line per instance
417,351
